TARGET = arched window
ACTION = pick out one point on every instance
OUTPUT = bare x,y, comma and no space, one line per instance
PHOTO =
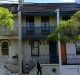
5,48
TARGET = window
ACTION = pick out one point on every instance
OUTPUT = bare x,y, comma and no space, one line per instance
30,22
44,22
5,48
78,50
35,48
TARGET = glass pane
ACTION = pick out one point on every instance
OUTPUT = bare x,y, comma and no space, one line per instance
35,51
35,48
30,21
4,51
35,44
4,48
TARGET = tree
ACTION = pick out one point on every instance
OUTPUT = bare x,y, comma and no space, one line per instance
68,30
6,18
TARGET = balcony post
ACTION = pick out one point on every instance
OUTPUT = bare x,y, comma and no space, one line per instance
59,45
19,41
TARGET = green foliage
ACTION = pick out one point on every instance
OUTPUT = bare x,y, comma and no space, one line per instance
68,30
6,18
53,37
76,16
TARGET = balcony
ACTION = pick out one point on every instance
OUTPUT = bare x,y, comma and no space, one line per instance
37,32
6,32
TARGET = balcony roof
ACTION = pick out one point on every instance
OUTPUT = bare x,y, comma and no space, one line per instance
44,8
49,7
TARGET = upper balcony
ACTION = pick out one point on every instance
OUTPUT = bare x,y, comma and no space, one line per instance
37,32
6,32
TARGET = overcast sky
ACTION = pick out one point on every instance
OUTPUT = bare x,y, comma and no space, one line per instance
48,1
43,1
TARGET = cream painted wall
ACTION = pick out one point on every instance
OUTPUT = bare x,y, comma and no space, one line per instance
37,21
13,50
26,48
52,20
70,48
14,47
15,22
44,48
23,21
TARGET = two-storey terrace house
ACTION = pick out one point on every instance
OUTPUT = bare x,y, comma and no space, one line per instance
9,39
39,21
33,23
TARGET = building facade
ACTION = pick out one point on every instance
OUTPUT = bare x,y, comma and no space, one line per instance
27,44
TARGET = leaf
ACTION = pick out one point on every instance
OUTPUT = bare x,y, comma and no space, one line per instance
68,30
6,18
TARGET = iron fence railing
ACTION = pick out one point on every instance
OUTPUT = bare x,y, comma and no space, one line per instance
37,31
73,59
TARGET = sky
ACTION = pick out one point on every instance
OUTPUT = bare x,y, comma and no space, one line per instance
43,1
49,1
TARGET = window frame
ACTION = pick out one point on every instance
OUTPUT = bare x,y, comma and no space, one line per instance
30,22
45,24
33,48
3,48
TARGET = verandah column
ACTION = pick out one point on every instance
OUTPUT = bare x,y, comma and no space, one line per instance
59,45
19,41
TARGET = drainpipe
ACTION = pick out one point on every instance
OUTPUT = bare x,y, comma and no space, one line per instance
59,45
20,56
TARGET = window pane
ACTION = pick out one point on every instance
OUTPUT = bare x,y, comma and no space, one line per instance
35,48
30,21
44,22
4,48
35,44
5,52
35,51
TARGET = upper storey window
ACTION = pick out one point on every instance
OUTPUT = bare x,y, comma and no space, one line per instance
30,22
44,22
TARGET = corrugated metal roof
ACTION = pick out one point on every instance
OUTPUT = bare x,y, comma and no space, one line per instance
49,7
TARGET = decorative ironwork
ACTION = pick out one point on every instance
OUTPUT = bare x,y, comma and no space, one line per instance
37,31
73,59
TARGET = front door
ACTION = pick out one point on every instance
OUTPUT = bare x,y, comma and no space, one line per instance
53,52
63,53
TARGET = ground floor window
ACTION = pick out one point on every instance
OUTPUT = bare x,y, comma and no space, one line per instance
5,48
35,48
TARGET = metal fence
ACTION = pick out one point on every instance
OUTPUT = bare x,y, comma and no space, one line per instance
73,59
